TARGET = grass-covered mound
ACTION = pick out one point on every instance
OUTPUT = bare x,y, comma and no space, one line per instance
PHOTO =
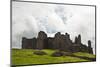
27,56
40,52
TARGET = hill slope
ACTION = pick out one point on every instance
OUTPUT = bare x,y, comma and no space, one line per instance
27,57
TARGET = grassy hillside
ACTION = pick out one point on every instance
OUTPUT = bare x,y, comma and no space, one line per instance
26,57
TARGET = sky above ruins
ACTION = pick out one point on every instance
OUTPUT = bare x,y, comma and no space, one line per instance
30,18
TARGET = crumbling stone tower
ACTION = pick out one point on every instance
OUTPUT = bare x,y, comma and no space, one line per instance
41,40
89,47
78,40
28,43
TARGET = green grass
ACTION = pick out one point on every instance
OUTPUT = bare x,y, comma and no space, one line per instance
81,54
26,56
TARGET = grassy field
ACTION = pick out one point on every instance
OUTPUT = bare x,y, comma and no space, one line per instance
26,57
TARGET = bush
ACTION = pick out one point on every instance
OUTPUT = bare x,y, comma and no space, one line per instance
67,54
61,53
57,54
39,52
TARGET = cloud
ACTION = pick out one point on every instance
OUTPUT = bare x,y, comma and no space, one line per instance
30,18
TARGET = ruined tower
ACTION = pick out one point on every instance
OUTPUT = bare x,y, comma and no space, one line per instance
28,43
41,40
90,50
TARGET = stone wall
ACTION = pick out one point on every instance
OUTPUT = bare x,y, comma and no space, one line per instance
60,41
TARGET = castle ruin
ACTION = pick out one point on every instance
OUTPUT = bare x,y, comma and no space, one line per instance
59,41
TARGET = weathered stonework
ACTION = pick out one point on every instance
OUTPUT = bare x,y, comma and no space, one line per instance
59,41
41,40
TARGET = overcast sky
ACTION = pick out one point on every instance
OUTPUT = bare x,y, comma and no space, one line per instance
30,18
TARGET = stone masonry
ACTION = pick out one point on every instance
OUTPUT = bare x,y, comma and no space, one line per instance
59,41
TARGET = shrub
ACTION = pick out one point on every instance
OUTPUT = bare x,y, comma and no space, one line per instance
67,54
57,54
61,53
40,52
